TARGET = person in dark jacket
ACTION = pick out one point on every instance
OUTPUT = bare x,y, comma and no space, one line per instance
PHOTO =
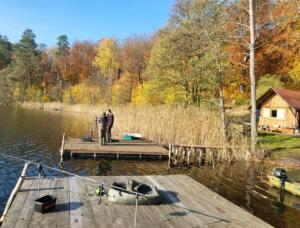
102,126
110,124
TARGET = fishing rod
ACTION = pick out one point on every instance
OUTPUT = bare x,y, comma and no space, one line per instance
72,174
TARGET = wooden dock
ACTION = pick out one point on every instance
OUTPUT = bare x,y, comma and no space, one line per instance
140,149
186,203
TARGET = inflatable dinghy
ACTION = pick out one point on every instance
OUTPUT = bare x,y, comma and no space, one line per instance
123,194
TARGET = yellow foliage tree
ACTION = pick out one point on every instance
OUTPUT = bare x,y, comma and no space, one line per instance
174,95
295,74
145,94
82,93
121,90
107,57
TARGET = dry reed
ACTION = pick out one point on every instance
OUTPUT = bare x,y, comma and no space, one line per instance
164,124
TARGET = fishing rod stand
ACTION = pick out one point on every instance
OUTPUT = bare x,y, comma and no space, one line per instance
41,173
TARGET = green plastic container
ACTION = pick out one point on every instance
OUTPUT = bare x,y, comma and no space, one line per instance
127,137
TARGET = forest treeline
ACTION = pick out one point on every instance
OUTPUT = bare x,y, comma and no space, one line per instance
200,55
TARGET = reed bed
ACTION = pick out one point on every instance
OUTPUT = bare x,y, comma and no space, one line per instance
165,125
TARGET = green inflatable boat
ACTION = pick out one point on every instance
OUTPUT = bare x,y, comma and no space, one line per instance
123,193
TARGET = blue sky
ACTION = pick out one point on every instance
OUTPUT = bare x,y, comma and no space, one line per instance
82,19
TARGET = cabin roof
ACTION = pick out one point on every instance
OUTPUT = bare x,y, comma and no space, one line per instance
292,98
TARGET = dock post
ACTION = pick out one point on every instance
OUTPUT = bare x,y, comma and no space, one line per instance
180,154
195,155
176,152
212,157
94,155
140,156
201,155
170,154
213,154
117,156
184,159
62,146
188,155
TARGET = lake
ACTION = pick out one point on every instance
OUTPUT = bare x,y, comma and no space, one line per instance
36,135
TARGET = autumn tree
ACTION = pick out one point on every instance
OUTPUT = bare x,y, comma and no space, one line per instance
82,55
107,58
181,57
134,56
107,63
46,69
279,43
135,52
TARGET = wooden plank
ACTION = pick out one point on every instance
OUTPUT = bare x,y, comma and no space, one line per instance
137,154
116,149
193,215
63,204
125,213
226,212
75,204
88,219
17,206
49,219
101,212
203,202
27,210
177,208
37,217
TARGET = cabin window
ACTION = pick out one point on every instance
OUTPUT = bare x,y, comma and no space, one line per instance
266,113
278,113
274,113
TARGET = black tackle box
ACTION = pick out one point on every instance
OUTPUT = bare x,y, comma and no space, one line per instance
45,203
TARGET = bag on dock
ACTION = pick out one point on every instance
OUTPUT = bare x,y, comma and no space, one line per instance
86,139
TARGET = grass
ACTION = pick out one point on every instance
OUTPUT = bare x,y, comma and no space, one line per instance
282,146
164,124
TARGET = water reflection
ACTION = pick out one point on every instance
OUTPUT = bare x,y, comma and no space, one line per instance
36,135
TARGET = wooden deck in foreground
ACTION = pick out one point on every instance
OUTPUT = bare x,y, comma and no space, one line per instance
137,148
186,203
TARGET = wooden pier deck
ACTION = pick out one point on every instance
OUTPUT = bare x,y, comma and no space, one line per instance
186,203
72,147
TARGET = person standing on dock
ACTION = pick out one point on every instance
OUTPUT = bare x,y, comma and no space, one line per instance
102,126
110,123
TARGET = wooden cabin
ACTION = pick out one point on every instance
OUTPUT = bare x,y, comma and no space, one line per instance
279,111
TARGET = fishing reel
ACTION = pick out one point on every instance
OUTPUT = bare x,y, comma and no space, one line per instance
100,191
281,174
41,170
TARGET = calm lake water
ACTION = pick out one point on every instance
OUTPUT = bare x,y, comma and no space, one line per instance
36,135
